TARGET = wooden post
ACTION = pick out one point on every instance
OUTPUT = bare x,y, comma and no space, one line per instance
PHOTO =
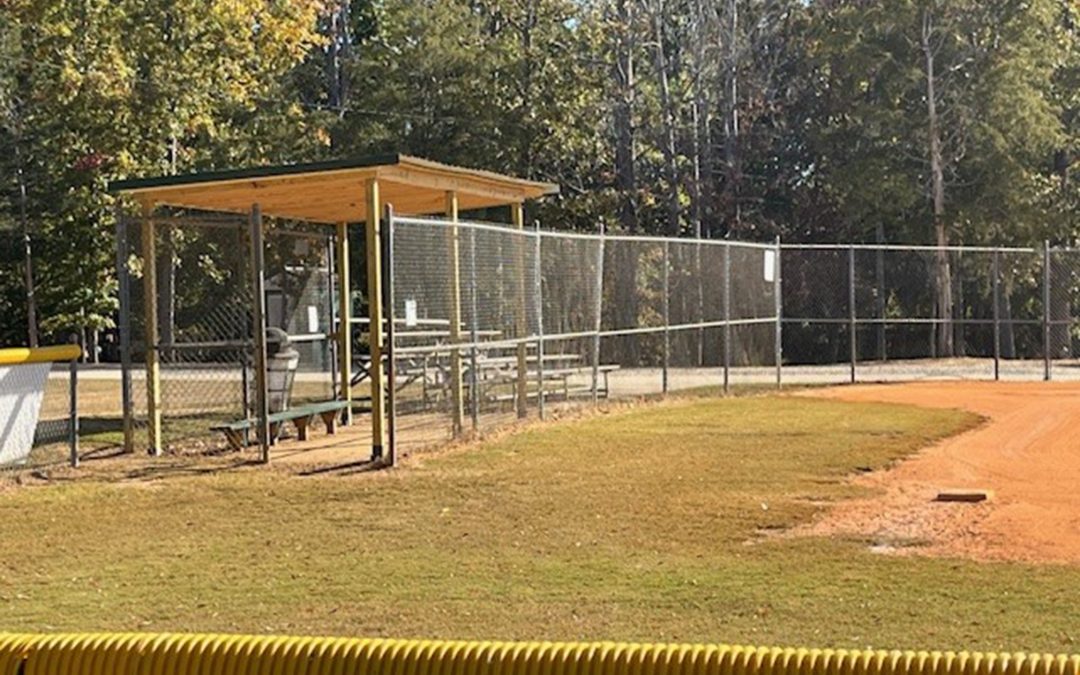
457,398
517,214
373,244
153,366
391,379
258,304
344,332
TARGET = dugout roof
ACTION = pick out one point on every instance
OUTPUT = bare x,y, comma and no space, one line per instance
334,191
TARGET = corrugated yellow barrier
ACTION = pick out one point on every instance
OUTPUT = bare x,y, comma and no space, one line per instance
166,654
14,356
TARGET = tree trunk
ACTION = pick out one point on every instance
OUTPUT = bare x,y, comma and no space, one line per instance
701,190
943,301
527,89
625,310
667,116
1008,334
731,119
701,183
167,291
28,257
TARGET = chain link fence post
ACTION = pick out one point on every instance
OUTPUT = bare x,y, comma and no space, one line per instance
1047,374
778,339
258,301
73,407
474,337
727,317
852,328
879,299
123,282
996,292
598,318
665,309
538,297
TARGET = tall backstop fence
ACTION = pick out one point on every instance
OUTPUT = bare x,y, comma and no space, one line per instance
488,323
121,654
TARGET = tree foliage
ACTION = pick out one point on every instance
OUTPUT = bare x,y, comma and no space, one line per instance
745,118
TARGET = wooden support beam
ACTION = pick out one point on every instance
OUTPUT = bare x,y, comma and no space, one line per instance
150,310
457,397
517,215
373,241
344,328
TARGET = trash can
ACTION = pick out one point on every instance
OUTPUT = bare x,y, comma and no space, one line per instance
281,363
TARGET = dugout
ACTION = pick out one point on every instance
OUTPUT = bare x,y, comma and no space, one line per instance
262,244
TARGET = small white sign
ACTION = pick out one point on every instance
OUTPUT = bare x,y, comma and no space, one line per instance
312,319
410,313
770,265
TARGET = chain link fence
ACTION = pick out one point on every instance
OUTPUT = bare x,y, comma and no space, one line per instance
880,312
203,319
494,324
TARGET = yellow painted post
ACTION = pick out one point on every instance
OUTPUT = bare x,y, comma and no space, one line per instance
344,331
457,396
150,309
517,214
373,244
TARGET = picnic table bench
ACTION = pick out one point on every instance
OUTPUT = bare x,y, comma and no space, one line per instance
301,416
561,376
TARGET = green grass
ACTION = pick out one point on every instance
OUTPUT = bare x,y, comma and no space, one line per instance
643,524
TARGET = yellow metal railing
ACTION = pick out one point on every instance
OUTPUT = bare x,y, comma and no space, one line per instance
153,654
14,356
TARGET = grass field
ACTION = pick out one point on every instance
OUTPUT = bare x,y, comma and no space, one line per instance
658,523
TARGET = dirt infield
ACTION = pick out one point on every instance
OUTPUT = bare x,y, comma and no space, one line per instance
1027,453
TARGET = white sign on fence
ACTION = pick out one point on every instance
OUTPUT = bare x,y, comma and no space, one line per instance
770,265
20,404
410,313
312,319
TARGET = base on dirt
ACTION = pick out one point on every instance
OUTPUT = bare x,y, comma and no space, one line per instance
969,496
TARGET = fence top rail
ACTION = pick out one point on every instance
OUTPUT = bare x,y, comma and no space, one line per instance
561,234
911,247
463,224
16,356
557,234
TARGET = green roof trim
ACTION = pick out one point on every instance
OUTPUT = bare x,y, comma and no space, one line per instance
129,184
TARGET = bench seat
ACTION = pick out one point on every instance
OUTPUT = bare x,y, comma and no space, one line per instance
301,416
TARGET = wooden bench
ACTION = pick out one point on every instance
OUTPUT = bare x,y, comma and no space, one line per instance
301,416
